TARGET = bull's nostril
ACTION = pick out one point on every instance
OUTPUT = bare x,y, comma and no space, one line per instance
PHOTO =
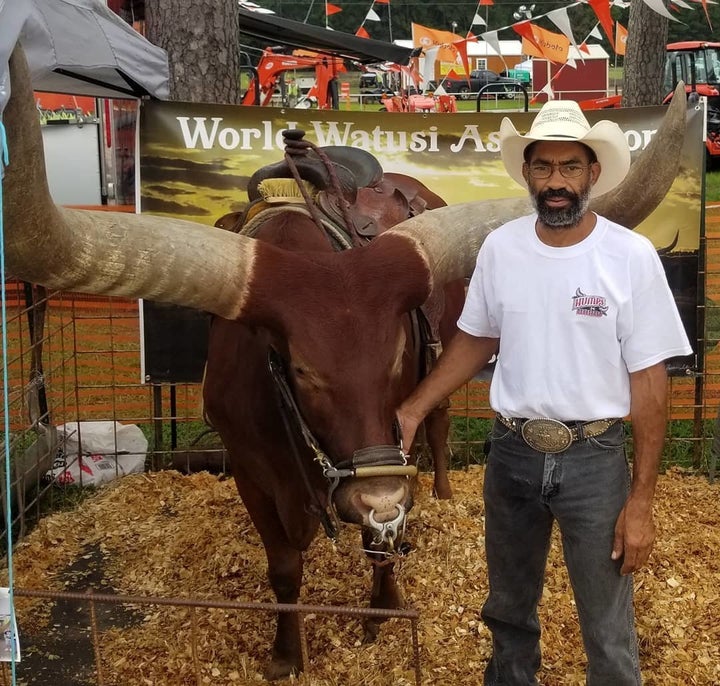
385,504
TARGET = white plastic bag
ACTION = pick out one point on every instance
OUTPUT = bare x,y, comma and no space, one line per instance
94,453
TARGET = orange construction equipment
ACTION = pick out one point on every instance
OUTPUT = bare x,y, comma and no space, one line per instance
697,64
418,103
273,65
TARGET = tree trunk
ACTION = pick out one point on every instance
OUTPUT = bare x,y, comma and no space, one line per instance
202,40
644,57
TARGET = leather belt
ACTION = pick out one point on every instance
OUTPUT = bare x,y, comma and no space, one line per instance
553,436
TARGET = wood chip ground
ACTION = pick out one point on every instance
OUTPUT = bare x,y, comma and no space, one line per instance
164,534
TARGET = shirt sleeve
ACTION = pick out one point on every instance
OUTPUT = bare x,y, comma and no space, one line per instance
476,318
654,330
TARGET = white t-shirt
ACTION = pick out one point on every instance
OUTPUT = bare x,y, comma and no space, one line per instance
572,321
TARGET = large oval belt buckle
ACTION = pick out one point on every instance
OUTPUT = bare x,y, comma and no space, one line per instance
547,435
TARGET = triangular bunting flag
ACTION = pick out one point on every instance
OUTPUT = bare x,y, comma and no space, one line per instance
584,48
372,15
595,33
486,2
560,18
602,12
477,19
331,9
362,33
659,7
428,73
382,2
491,38
461,47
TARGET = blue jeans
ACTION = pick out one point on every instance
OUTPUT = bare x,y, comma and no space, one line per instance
584,489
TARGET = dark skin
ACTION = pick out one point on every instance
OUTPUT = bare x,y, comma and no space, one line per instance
467,355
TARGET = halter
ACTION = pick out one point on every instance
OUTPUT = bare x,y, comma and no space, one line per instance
379,460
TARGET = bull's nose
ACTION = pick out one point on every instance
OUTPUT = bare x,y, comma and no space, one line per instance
384,505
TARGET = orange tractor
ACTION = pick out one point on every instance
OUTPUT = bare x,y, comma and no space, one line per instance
269,75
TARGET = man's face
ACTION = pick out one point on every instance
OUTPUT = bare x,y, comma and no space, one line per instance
561,199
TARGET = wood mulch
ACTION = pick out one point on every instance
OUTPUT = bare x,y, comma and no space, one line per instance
165,534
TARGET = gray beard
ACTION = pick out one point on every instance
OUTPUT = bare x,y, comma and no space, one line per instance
562,217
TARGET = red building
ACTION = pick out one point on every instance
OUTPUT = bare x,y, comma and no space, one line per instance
588,79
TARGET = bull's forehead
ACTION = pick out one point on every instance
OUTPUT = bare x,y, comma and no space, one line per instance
321,345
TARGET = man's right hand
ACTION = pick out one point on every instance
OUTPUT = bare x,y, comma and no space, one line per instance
408,423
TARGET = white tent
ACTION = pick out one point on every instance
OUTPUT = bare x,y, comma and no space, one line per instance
80,47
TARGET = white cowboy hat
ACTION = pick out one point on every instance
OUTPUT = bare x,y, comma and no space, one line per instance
563,120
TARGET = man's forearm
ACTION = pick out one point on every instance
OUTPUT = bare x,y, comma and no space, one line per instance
464,357
648,412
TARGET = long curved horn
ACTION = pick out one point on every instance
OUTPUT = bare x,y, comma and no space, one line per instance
654,171
110,253
449,238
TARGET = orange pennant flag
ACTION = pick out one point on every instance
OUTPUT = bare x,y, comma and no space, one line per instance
461,47
424,37
584,47
331,9
362,33
382,2
552,46
621,35
486,2
602,12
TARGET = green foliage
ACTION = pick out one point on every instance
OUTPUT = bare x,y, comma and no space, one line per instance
712,184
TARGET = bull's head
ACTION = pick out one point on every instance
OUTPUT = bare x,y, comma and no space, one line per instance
236,277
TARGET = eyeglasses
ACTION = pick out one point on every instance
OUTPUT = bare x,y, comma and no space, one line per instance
569,170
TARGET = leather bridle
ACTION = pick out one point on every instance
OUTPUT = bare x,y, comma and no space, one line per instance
379,460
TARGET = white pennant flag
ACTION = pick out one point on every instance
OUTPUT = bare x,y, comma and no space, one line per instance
595,33
560,18
572,63
547,89
620,3
491,38
372,15
428,67
659,7
477,19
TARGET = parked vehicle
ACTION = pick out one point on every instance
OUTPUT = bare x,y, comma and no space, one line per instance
697,64
466,89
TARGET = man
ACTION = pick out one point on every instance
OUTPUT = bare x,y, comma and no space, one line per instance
579,311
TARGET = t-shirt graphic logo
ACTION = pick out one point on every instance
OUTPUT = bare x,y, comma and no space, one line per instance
589,305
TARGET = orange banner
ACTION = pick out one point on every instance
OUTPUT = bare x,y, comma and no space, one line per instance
621,35
424,37
539,42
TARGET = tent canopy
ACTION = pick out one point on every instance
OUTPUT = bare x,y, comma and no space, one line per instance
280,31
80,47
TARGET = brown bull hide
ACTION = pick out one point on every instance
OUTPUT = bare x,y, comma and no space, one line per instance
352,355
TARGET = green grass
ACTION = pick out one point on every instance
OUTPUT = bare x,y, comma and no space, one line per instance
712,184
